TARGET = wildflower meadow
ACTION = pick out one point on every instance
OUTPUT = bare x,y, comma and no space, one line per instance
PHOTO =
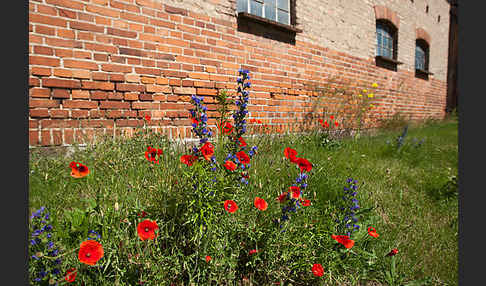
238,206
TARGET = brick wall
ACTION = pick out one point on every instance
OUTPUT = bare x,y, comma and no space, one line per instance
99,66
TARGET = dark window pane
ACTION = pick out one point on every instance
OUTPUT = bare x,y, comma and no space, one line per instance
256,8
242,6
283,17
270,12
283,4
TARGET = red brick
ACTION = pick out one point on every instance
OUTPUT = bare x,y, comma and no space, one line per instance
67,13
81,104
39,29
68,136
101,48
43,103
116,68
104,85
45,138
63,73
205,91
58,123
40,92
41,71
145,105
115,96
66,43
117,77
64,33
34,138
99,95
114,105
151,71
80,64
57,137
63,53
130,96
79,113
129,123
158,88
82,55
77,93
82,74
39,113
59,113
48,20
121,33
43,61
184,90
65,83
130,87
60,93
114,114
67,3
100,76
103,11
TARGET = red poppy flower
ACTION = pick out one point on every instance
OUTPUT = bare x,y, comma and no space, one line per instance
230,165
283,197
306,203
207,151
71,275
230,206
332,117
320,121
344,240
392,252
90,252
253,120
295,191
147,117
336,123
326,124
260,204
253,251
188,159
372,232
290,154
78,170
194,121
227,127
318,270
259,122
304,165
243,157
208,258
242,142
146,229
152,153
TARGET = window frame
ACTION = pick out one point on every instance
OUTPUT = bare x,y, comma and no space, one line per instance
392,33
425,47
248,11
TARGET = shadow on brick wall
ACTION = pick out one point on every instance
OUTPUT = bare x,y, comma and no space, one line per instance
265,30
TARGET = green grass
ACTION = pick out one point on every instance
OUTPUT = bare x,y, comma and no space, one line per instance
406,194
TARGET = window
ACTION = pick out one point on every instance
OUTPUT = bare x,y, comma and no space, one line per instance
386,40
422,59
274,10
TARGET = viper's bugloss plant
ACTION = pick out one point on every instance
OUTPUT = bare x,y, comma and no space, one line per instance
348,221
44,263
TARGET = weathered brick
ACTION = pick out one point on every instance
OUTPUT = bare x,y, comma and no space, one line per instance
114,105
64,83
81,104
